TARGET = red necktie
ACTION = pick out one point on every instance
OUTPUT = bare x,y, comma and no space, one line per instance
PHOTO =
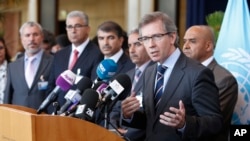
73,62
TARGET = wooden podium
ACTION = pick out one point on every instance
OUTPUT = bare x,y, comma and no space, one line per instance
19,123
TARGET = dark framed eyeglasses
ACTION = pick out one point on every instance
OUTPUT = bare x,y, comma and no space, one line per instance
155,37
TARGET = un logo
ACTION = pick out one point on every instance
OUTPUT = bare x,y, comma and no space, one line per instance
237,61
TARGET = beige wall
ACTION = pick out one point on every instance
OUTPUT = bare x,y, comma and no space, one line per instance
98,11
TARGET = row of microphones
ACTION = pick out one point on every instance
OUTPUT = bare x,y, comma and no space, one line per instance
64,82
103,94
105,70
74,96
89,96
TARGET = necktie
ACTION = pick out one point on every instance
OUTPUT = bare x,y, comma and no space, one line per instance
30,71
136,78
159,83
73,62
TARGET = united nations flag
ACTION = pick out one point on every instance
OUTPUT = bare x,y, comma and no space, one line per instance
233,52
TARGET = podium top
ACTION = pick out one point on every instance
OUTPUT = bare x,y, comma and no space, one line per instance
19,123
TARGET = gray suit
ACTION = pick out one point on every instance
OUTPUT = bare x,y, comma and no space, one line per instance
17,91
135,134
228,94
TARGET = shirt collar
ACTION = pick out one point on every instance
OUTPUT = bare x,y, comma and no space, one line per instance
81,47
208,61
116,56
143,67
38,56
172,59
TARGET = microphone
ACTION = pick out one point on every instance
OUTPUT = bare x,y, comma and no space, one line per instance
100,87
87,105
105,70
63,82
118,89
75,96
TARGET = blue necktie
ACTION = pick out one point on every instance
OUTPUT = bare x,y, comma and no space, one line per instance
159,83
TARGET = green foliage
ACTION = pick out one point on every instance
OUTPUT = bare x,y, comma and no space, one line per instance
215,20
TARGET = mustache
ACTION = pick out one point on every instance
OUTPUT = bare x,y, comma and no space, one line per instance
106,46
32,43
133,55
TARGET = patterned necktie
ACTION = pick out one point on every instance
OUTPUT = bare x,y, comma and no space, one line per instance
73,62
136,78
30,71
159,83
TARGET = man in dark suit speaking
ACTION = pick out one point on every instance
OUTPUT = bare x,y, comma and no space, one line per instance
180,98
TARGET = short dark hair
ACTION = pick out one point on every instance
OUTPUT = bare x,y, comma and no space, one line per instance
7,56
110,26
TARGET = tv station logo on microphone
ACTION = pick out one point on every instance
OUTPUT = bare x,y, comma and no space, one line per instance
239,132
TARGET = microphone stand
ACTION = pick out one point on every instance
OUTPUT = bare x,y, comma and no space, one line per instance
107,122
56,107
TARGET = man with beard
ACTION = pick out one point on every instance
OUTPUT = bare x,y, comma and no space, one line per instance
29,72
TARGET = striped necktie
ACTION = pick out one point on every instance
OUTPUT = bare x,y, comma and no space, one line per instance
159,83
136,78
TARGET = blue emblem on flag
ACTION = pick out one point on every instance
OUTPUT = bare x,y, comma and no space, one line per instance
233,52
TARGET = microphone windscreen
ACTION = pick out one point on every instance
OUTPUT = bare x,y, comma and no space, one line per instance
90,97
84,84
125,81
66,80
106,69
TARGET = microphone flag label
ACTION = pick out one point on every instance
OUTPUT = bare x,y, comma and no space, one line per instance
117,87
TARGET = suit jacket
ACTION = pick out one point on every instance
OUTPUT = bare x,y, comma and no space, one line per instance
192,83
133,134
228,94
87,62
17,91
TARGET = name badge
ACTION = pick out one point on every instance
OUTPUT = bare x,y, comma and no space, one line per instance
43,85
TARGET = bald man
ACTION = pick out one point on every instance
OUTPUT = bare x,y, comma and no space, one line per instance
199,43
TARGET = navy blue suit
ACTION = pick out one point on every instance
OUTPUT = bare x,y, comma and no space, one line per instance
87,62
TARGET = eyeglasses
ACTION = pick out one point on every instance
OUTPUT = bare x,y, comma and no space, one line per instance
77,26
155,37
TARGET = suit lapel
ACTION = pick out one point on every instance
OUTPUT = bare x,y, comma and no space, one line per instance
148,91
42,66
20,64
212,65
